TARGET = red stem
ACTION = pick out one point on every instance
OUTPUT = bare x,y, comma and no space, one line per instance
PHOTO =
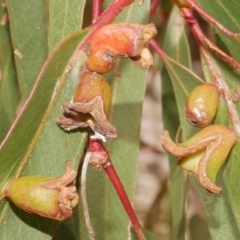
212,20
96,10
156,47
154,6
193,25
96,147
113,176
203,41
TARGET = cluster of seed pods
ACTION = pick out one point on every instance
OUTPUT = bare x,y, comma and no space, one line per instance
92,98
205,152
55,198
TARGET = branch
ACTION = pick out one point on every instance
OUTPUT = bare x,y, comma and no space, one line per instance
210,19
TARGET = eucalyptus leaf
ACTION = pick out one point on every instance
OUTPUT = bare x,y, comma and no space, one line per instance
65,17
9,89
36,145
28,24
177,82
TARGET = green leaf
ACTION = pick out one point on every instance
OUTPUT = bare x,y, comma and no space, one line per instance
36,145
65,17
224,204
28,22
174,94
9,92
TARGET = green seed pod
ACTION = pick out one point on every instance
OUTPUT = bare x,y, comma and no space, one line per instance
204,153
101,61
201,105
51,198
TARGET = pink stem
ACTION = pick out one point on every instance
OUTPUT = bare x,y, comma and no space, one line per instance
156,47
113,176
212,20
96,147
154,6
203,41
96,10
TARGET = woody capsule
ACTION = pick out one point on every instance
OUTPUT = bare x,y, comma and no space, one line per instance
90,107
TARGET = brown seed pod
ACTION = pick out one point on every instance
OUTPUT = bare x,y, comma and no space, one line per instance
90,108
201,105
101,61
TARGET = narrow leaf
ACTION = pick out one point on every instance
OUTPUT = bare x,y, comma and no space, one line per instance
65,17
9,91
28,22
35,144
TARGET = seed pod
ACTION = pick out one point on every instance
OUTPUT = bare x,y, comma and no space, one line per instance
93,85
90,108
204,153
201,105
101,61
51,198
124,40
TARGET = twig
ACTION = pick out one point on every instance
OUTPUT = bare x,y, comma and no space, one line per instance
99,153
204,41
91,233
212,20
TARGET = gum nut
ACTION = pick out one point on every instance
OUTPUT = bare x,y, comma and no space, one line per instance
201,105
28,194
92,85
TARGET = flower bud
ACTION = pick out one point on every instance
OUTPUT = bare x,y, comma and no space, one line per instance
124,40
51,198
204,153
201,105
101,61
90,108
